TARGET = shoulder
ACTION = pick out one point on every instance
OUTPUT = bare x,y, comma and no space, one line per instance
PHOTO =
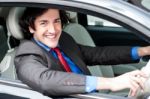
66,36
29,47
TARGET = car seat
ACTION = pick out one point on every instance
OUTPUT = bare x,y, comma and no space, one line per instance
7,67
81,36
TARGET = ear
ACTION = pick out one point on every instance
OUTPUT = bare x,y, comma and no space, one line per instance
31,30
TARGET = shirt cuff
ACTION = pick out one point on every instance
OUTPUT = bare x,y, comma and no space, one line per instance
91,83
134,53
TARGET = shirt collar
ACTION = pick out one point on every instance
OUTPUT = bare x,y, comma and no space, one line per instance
41,44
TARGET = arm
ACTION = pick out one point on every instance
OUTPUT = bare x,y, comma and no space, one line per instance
35,68
107,55
127,80
31,71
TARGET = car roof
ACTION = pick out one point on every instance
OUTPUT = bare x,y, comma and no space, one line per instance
117,6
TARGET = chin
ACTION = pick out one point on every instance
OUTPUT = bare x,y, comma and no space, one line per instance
53,45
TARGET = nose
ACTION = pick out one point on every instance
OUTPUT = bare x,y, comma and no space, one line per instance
51,28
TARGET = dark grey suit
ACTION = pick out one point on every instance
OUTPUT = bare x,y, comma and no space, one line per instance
41,71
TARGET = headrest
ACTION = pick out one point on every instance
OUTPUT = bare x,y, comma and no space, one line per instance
13,22
72,16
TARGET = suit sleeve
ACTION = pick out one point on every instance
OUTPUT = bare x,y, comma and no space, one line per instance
107,55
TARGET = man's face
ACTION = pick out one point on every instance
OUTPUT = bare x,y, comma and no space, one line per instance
48,28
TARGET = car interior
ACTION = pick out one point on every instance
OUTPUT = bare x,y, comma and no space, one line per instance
80,30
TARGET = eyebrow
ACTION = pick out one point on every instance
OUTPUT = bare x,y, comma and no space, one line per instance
57,19
43,20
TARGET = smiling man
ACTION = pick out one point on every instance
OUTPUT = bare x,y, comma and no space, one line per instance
47,28
51,62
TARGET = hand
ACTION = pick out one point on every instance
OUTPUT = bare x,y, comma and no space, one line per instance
132,80
143,51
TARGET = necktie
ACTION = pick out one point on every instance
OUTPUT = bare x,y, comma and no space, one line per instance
62,60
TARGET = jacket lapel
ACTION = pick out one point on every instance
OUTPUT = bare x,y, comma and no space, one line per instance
53,61
67,46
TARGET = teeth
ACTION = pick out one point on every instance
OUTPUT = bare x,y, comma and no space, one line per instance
50,36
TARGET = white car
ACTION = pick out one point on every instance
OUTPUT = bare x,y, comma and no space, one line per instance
99,23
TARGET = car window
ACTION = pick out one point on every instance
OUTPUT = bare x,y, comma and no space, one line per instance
146,3
3,41
95,21
104,32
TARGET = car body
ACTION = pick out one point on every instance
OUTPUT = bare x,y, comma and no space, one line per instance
108,22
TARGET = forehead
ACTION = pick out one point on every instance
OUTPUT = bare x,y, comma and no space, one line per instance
50,13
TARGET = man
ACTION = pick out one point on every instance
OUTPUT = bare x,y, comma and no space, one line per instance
52,63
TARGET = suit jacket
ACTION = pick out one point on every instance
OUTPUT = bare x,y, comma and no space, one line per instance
41,71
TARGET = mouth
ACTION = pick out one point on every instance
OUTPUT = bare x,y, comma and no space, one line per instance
51,36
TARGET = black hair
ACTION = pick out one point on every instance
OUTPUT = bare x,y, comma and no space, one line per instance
29,16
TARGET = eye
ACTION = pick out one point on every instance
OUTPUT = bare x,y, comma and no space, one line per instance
43,23
58,20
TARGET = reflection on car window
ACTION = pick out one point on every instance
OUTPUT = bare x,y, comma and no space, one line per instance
100,22
146,3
